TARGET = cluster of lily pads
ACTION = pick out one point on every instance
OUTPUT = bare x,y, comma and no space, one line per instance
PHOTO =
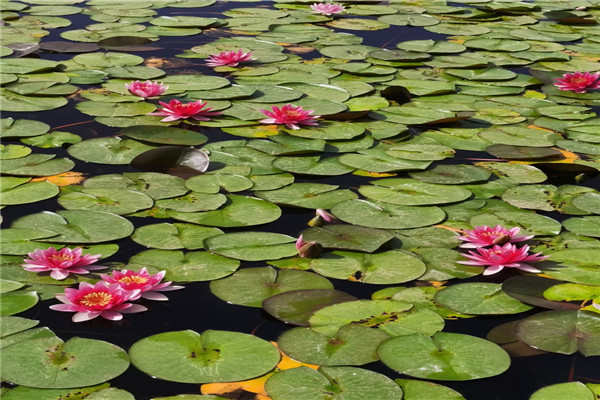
397,157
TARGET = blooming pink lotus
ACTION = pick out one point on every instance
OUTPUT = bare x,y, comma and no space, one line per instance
61,263
482,236
327,8
147,285
101,299
578,82
175,110
146,89
498,257
289,115
229,58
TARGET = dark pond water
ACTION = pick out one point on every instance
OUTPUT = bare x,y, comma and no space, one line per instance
196,308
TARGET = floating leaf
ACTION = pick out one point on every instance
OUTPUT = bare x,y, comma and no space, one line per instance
52,363
16,302
445,356
251,286
307,195
190,357
412,192
252,246
566,391
479,298
347,237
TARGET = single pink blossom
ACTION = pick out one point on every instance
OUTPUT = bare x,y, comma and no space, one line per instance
146,89
308,249
61,263
482,236
327,8
175,110
498,257
578,82
229,58
326,216
289,115
101,299
148,285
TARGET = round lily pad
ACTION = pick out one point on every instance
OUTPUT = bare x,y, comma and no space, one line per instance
479,298
409,192
252,246
344,382
423,390
52,363
250,286
192,266
156,185
386,216
165,135
391,316
562,332
347,237
15,191
353,345
16,302
174,236
307,195
573,265
566,391
452,175
110,150
36,165
213,356
116,201
295,307
22,128
381,268
76,226
445,356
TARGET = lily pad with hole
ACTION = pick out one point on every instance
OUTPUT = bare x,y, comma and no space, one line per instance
445,356
192,266
345,382
252,246
52,363
388,267
392,317
213,356
295,307
251,286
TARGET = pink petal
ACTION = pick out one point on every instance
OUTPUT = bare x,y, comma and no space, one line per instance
59,274
154,296
84,316
493,269
111,315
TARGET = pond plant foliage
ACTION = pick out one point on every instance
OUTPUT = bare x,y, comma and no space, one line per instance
279,154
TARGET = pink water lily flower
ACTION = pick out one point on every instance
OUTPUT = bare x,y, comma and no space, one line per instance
175,110
61,263
289,115
499,257
146,89
578,82
229,58
482,236
101,299
308,249
327,8
148,285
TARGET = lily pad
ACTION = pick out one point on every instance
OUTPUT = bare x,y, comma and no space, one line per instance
77,362
116,201
480,299
307,195
566,391
17,301
190,357
410,192
445,356
347,237
174,236
251,286
252,246
16,191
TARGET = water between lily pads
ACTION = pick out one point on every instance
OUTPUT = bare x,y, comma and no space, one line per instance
196,308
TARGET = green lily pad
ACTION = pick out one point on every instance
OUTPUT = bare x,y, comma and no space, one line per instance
480,299
514,173
190,357
431,46
285,144
165,135
16,302
422,390
566,391
347,237
12,325
344,382
519,136
421,152
386,216
312,165
9,286
587,226
353,345
116,201
156,185
104,109
546,197
451,175
110,150
167,236
252,246
250,286
78,226
389,267
12,101
442,264
307,195
445,356
77,362
529,222
573,265
55,139
213,182
237,211
410,192
104,60
21,191
36,165
193,202
10,151
295,307
22,128
562,332
391,316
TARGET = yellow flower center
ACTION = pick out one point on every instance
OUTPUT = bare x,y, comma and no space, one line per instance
133,279
96,299
61,257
